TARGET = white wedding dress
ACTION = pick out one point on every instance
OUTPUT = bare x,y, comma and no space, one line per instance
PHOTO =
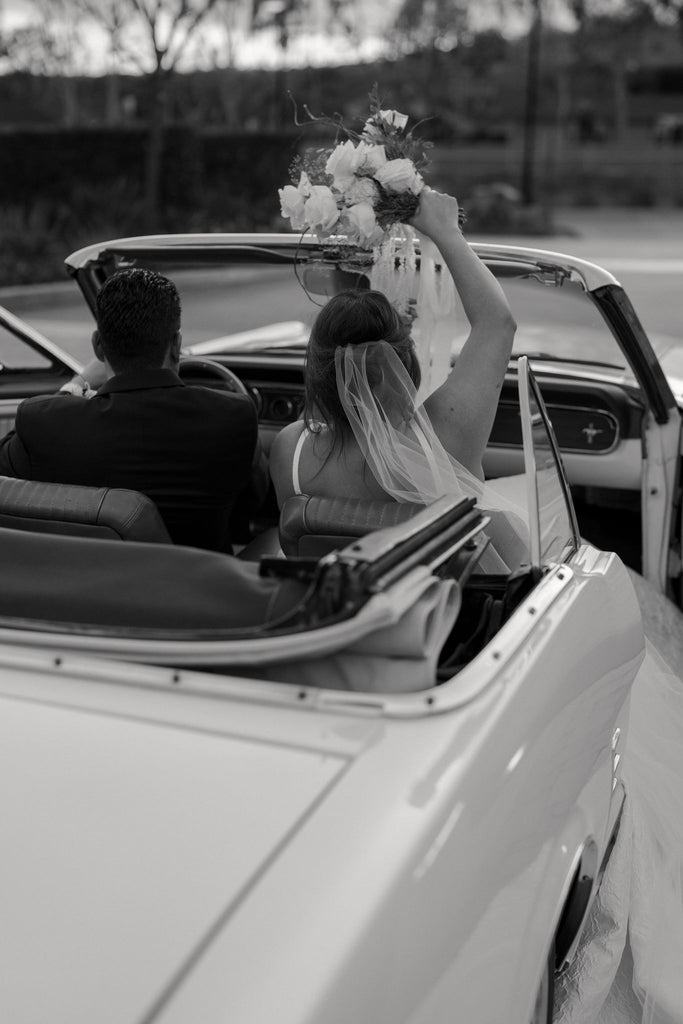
629,966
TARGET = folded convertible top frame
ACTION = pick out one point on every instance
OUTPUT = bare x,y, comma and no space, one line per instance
448,532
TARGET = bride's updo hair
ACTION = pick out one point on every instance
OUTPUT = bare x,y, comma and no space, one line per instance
351,317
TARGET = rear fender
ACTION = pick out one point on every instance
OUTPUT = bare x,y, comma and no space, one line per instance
575,869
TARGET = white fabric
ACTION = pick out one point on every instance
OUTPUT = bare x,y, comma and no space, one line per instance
435,325
391,646
629,966
399,443
400,658
394,267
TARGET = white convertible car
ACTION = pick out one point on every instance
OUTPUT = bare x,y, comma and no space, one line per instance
361,782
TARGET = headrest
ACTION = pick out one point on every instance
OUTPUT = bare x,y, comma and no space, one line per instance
313,526
104,512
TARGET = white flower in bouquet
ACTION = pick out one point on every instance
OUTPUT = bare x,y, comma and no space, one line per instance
400,176
342,164
369,157
394,118
361,190
292,203
360,226
320,209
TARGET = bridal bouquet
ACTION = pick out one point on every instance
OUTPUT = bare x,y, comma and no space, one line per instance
362,187
360,195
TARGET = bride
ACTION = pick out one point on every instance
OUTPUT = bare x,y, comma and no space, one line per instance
361,358
364,435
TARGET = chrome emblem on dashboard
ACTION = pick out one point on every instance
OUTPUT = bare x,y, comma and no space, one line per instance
591,432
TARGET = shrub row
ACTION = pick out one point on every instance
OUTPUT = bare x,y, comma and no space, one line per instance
61,189
56,165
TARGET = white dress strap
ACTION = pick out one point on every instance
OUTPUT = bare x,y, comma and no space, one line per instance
296,459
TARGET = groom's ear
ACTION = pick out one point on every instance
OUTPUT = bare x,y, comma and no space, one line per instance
96,342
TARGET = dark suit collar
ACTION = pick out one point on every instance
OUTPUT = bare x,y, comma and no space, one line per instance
139,380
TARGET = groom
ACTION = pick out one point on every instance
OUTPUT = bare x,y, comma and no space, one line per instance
190,449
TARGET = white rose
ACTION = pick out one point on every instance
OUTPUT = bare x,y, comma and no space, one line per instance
400,176
292,206
369,157
361,190
394,118
359,223
320,208
341,163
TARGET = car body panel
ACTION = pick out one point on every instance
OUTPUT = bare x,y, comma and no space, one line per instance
427,804
129,863
421,799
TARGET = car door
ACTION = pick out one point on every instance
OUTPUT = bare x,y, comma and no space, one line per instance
661,445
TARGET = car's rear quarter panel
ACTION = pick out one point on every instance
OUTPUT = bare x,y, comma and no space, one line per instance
426,887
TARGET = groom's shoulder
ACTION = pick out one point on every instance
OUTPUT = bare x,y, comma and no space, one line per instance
40,405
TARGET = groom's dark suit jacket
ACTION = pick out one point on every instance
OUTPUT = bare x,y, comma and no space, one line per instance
188,448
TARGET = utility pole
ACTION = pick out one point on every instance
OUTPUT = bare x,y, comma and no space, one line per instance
528,184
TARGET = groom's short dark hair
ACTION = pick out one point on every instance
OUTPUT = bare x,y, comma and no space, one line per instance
138,318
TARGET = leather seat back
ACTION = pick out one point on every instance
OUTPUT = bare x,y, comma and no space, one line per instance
106,513
312,526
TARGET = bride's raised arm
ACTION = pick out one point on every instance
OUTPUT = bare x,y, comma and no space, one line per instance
463,408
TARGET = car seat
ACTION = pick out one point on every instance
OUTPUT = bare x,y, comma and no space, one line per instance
100,512
314,526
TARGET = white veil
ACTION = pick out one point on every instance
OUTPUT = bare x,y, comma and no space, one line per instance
398,440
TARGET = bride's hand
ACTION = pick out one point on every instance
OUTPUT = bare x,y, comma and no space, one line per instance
437,214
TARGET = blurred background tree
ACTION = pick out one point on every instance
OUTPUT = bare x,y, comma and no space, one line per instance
153,36
51,45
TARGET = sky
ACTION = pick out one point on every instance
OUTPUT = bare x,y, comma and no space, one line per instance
314,48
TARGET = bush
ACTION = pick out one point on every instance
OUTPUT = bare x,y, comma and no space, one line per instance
496,208
64,189
32,248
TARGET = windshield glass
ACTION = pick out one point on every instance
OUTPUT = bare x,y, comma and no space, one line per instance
240,304
555,322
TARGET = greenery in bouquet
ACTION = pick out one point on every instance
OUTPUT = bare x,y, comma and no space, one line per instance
362,186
